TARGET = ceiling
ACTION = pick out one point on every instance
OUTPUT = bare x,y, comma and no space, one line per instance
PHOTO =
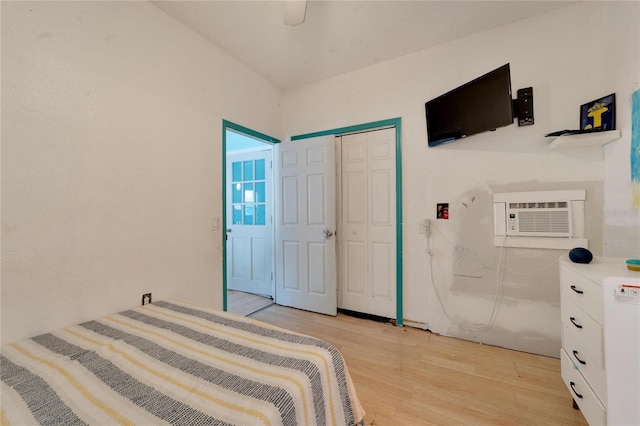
340,36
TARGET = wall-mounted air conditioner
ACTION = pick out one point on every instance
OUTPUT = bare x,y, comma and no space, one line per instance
540,219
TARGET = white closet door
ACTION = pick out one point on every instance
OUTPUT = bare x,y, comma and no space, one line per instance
367,223
306,224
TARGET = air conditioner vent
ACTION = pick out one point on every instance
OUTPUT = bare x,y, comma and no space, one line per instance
548,222
543,205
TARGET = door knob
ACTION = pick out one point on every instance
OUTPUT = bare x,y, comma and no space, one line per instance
327,234
228,229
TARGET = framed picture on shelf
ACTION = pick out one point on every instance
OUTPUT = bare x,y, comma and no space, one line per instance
599,114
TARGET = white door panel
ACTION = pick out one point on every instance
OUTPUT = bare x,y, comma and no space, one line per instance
382,279
367,234
305,255
353,286
249,223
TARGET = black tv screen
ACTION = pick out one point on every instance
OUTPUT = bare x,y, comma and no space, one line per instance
477,106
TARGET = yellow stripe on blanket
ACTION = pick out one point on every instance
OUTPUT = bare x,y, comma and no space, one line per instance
188,388
76,384
155,372
223,330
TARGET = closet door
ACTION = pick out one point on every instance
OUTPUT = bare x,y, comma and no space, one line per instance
367,223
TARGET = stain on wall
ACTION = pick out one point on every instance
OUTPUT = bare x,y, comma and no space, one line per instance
506,296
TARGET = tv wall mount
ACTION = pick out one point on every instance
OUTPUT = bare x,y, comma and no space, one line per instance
523,107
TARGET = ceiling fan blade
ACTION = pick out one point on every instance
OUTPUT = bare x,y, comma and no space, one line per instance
294,12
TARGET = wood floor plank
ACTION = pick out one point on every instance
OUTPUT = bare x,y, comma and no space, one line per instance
244,303
407,376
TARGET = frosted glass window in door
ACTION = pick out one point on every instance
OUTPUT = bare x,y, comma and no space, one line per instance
247,170
237,215
237,171
260,192
248,215
260,171
260,214
237,193
249,192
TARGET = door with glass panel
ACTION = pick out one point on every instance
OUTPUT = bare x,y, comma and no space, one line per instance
249,221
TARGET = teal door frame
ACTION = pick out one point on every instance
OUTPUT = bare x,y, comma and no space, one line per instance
397,124
228,125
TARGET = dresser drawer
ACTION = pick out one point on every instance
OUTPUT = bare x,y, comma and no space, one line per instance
582,339
583,292
591,407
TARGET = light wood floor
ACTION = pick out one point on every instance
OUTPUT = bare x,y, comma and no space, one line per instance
406,376
244,303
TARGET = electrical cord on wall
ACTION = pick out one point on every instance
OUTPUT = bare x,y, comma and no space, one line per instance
486,265
460,252
494,309
499,283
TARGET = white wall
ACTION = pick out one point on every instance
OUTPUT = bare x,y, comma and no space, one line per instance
621,220
561,58
111,161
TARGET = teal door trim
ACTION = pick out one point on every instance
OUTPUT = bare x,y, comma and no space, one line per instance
228,125
397,124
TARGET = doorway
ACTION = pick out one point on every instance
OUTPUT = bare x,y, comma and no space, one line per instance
248,220
395,250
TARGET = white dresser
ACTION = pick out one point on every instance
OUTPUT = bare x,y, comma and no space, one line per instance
585,348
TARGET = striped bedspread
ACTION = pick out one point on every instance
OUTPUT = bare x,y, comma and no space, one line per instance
175,363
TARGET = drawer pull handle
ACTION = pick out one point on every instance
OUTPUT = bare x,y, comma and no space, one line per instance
575,354
573,287
574,390
573,321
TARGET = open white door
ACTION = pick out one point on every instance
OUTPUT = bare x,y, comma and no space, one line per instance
306,224
249,222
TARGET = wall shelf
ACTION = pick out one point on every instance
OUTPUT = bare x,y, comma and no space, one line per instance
584,140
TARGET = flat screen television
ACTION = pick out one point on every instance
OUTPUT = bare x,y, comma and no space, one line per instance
477,106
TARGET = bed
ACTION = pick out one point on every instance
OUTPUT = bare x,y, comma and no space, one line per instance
173,362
